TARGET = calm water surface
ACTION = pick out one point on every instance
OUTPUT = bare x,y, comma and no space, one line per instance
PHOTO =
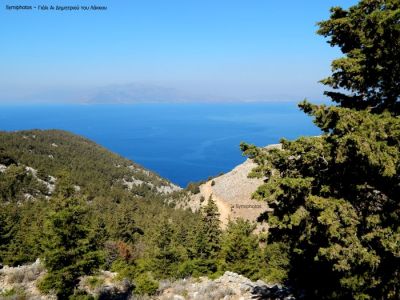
182,142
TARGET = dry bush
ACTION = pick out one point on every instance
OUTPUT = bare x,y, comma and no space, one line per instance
25,274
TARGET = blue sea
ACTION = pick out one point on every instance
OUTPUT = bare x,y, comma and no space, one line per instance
181,142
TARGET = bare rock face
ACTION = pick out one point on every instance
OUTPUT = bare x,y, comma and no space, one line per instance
233,192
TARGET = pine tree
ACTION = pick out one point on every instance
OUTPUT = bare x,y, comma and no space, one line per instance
69,250
210,232
240,250
166,255
369,35
126,229
8,228
24,245
204,247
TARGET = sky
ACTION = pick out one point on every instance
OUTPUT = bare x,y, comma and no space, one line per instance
165,50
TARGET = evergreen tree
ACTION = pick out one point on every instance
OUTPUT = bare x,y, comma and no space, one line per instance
69,250
335,198
7,230
167,255
125,228
335,201
240,250
209,237
204,244
24,245
369,35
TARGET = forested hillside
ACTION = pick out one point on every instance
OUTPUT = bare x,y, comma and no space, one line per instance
91,167
81,209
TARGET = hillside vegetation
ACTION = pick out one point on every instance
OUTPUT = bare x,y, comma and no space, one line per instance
91,167
82,209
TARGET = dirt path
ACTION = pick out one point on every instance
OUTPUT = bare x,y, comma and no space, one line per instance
223,208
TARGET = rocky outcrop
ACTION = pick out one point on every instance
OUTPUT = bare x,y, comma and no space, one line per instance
47,186
20,282
230,286
49,183
165,188
233,192
106,286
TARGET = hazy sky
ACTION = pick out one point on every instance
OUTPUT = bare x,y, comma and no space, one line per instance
165,50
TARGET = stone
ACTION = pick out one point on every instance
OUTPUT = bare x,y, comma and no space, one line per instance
245,287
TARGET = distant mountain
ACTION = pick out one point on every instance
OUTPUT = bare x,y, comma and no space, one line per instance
117,93
136,93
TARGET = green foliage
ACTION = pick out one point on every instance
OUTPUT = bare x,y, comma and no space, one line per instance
20,230
145,284
94,281
53,152
334,200
81,295
209,233
125,228
277,262
8,293
240,250
16,182
118,214
139,232
7,229
69,248
124,269
13,294
369,35
167,252
197,267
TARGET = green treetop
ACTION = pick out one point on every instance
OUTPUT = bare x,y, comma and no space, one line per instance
240,250
210,230
369,35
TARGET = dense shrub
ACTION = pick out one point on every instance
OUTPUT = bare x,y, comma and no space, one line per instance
145,284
